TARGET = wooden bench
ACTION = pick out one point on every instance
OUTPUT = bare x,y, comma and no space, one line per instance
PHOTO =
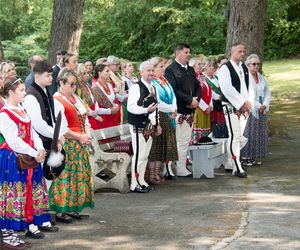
109,169
205,158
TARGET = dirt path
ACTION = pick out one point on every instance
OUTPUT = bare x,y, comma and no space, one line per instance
260,212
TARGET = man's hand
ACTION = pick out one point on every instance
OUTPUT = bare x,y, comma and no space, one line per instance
246,106
194,102
152,107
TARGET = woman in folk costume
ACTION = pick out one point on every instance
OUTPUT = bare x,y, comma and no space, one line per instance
164,147
107,102
72,191
257,130
24,198
84,91
217,114
202,121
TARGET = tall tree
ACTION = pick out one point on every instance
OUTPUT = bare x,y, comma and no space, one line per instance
246,23
67,22
1,50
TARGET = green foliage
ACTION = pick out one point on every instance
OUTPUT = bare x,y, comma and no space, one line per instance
283,29
139,29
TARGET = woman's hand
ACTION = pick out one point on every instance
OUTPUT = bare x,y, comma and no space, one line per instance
115,108
40,156
85,139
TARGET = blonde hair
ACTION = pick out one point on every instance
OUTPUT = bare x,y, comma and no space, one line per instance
5,67
156,60
102,60
64,73
80,70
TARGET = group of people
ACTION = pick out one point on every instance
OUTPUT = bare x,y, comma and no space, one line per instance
174,104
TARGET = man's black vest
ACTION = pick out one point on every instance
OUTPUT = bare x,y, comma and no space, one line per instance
47,108
139,121
235,80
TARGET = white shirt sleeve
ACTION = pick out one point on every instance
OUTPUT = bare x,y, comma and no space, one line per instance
38,144
133,97
9,130
232,95
34,112
120,98
268,96
102,111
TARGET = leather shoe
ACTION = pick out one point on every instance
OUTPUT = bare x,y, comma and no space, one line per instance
139,189
149,188
240,174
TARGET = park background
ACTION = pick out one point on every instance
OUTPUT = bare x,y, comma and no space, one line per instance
139,29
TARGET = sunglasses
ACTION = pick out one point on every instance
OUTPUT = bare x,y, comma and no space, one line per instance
255,64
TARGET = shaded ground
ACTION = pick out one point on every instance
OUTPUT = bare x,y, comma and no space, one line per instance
260,212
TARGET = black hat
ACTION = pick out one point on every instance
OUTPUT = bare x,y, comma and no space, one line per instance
205,140
51,172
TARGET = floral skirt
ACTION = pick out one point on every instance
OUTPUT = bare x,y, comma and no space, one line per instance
13,194
164,147
201,126
72,191
257,132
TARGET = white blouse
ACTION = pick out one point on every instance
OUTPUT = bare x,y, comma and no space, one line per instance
9,130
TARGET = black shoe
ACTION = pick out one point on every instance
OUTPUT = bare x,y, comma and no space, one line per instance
35,235
78,216
168,176
52,219
240,174
51,229
64,218
139,189
149,188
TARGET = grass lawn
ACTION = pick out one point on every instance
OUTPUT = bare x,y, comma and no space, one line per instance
283,77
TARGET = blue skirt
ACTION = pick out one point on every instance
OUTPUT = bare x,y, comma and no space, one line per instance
13,194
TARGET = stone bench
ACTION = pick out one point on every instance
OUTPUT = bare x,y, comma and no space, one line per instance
109,169
205,158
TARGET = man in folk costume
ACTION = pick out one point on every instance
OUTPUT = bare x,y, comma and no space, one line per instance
143,121
237,100
43,111
183,79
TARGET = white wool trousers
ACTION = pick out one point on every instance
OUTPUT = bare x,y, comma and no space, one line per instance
236,126
183,136
141,149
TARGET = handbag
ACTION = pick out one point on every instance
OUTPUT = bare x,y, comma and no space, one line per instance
26,161
219,130
123,146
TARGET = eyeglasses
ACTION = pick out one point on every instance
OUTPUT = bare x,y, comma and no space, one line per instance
255,64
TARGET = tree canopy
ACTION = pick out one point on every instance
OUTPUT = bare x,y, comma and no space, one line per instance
138,29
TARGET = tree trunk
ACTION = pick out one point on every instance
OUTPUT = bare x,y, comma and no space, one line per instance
1,51
246,23
67,22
